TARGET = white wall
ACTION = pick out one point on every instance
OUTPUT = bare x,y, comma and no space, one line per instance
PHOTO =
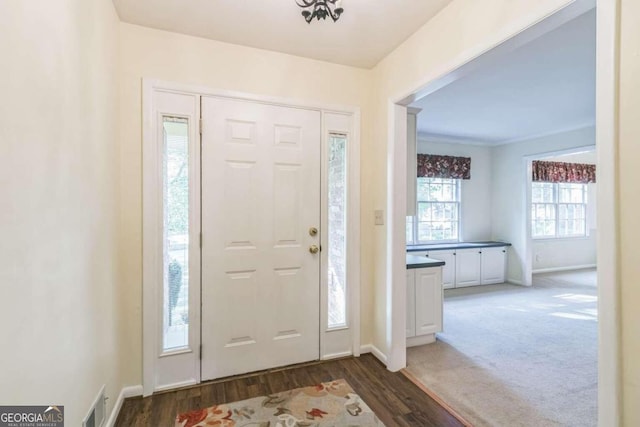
508,194
575,252
184,59
59,279
552,254
475,192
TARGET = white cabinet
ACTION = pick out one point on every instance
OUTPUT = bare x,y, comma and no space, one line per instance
468,267
493,265
428,288
448,269
424,304
471,266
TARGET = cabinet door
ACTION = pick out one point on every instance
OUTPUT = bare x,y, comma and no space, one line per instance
467,267
493,265
428,301
411,303
448,269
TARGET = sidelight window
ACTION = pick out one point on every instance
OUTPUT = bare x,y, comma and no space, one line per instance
175,196
337,231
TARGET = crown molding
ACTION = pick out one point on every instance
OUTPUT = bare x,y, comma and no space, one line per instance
454,139
585,125
466,140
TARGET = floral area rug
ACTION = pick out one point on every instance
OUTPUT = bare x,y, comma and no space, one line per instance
327,404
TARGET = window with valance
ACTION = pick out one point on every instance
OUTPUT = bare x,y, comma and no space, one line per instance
559,196
572,173
438,184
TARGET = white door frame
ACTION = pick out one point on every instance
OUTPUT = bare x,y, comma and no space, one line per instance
609,377
335,118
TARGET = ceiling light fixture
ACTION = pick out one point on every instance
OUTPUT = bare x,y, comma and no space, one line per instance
320,9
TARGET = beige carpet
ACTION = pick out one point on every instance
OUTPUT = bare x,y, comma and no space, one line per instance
516,356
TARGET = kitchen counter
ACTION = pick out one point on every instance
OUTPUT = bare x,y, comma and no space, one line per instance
459,245
414,261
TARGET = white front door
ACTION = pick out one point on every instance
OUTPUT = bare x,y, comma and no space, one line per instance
260,198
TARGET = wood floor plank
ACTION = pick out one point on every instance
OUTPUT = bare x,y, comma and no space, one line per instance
393,397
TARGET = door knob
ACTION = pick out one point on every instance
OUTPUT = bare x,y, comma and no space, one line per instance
314,249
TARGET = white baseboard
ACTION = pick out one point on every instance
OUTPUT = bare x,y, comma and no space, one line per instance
421,340
336,355
176,385
365,348
370,348
569,268
131,391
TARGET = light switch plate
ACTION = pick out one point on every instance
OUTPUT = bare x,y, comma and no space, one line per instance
379,217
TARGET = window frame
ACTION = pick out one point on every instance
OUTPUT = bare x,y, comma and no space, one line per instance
414,218
557,205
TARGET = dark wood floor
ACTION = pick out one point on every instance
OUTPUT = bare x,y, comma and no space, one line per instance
395,399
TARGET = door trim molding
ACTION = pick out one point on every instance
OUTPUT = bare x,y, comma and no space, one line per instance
151,233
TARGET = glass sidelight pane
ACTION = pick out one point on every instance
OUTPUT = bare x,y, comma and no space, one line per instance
337,231
175,195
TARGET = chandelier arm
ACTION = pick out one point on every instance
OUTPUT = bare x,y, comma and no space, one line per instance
305,3
335,14
321,9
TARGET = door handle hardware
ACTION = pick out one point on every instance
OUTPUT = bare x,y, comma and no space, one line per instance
314,249
313,231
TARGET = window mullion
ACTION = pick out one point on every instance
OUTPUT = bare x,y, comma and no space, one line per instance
556,192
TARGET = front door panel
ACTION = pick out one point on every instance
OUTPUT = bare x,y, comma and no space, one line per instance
260,195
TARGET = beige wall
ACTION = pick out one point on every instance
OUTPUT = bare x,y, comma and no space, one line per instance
59,309
70,327
629,176
189,60
461,32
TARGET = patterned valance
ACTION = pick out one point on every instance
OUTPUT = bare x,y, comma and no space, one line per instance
576,173
434,166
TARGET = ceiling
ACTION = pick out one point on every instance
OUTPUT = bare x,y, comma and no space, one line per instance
544,87
366,32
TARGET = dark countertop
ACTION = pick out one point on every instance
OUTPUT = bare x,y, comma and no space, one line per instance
460,245
414,261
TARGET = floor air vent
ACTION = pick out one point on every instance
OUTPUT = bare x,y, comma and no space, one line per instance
97,412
